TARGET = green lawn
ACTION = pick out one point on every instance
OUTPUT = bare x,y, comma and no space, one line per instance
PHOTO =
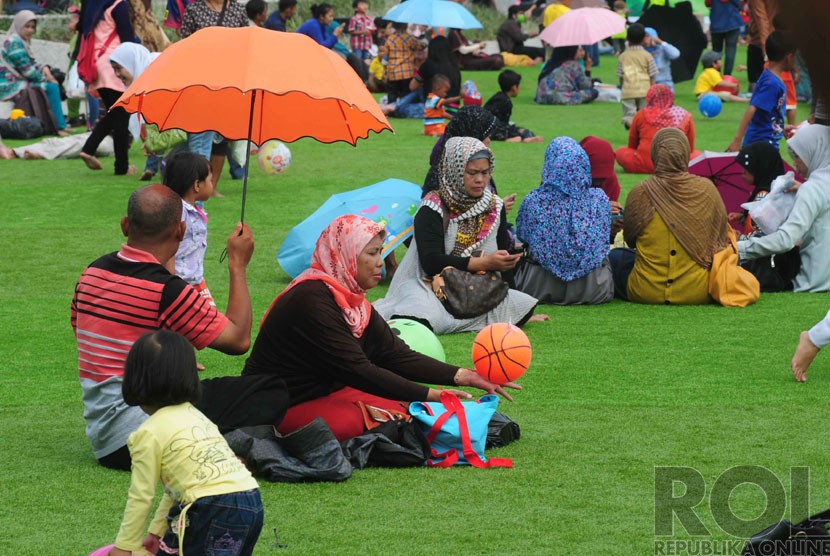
613,390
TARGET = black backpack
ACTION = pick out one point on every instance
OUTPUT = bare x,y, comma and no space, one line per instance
21,128
806,538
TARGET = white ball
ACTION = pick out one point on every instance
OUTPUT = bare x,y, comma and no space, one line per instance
274,157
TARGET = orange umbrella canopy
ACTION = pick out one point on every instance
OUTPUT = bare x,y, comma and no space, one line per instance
300,89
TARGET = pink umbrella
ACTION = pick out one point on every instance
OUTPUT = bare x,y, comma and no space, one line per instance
726,174
582,26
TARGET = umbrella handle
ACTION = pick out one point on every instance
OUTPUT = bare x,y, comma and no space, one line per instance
248,155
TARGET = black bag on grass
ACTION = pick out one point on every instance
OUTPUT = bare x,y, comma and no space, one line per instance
806,538
21,128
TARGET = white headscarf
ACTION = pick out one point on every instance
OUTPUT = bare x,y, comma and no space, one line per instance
812,145
135,59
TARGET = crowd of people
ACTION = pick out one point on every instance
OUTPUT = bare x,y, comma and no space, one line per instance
323,350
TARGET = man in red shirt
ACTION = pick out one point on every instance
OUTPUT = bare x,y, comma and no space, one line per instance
123,295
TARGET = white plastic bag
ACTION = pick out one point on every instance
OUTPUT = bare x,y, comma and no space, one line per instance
608,93
774,209
75,88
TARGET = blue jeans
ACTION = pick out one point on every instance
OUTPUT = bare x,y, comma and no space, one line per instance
53,93
223,525
411,105
362,54
731,40
94,108
200,143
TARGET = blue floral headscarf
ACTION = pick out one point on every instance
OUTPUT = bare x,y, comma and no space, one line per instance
566,222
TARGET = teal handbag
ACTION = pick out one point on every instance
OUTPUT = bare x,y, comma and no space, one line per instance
457,431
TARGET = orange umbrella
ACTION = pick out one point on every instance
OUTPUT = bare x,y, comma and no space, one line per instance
256,84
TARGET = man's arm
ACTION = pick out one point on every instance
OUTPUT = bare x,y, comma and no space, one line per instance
235,338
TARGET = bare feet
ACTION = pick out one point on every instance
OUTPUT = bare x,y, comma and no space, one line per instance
91,162
804,355
6,153
29,155
217,194
516,139
535,139
131,170
538,318
63,133
199,367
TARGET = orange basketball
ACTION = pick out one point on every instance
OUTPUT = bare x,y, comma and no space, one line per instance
501,352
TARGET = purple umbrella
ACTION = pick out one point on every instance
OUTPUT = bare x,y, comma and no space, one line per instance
727,175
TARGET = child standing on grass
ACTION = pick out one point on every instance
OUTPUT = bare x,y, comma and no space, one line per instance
435,117
764,119
501,107
636,70
211,503
189,175
663,54
361,27
398,53
711,78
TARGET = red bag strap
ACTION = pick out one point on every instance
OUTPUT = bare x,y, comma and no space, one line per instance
454,407
107,43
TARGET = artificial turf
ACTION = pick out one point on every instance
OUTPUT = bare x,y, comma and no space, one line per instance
612,392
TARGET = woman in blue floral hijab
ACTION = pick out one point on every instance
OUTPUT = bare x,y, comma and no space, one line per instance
566,225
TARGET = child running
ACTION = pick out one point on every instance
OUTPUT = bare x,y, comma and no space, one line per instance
189,175
211,503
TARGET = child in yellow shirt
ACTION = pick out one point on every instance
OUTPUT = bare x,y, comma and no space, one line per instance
212,499
711,78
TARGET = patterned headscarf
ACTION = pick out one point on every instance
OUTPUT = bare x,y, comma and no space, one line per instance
565,221
660,111
689,205
469,219
334,262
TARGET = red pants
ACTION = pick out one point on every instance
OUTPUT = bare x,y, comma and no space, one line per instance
339,410
634,161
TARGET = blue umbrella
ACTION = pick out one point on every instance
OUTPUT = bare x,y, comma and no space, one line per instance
392,202
435,13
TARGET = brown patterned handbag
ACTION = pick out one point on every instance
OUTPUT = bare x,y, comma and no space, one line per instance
469,294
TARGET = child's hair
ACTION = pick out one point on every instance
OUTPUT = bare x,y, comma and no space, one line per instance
183,169
513,11
285,4
399,26
319,10
439,79
508,79
255,7
161,371
620,6
636,33
779,44
356,2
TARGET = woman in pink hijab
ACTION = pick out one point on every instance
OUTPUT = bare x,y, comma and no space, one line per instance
660,112
334,351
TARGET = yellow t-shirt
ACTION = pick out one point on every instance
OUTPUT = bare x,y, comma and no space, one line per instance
664,272
707,81
183,448
552,12
376,69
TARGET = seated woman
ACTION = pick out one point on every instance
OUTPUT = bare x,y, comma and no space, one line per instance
461,218
809,221
660,112
601,155
322,337
19,70
470,56
563,81
676,222
566,225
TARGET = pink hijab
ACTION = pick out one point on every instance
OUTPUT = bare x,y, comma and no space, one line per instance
334,262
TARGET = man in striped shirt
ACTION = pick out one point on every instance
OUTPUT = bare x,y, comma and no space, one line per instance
125,294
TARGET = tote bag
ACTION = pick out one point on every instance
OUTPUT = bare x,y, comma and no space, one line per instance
457,431
729,284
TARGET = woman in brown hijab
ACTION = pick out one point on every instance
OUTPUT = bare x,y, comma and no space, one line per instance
675,222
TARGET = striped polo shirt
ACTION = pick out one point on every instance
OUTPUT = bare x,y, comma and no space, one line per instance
119,298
